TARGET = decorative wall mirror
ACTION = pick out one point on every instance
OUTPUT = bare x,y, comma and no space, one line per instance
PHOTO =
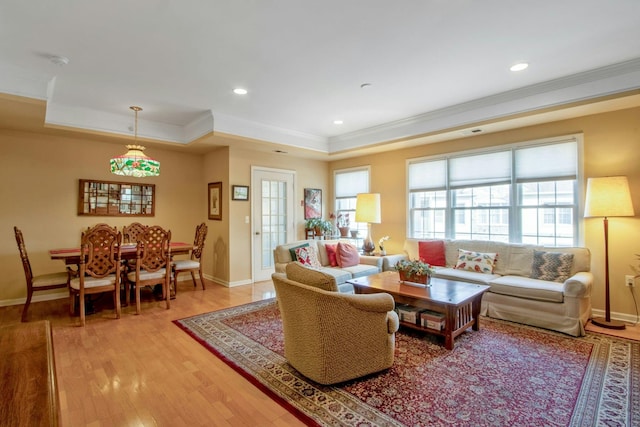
110,198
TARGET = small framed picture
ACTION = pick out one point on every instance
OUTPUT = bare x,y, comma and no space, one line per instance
215,200
240,192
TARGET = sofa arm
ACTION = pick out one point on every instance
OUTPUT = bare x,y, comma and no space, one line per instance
376,261
579,285
389,261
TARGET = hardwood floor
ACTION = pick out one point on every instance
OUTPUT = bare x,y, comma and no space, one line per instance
144,371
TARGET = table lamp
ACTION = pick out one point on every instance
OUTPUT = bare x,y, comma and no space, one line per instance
607,196
368,210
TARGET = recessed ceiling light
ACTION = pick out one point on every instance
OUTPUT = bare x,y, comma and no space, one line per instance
338,122
519,66
240,91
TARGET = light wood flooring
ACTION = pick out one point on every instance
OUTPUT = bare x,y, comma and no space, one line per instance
145,371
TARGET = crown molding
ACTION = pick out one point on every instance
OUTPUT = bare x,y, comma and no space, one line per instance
605,81
236,126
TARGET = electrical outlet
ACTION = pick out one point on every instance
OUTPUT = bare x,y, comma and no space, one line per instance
630,281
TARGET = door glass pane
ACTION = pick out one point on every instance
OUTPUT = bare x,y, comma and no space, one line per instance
274,219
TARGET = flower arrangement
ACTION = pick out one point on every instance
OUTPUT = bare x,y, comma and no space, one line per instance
381,242
343,220
414,268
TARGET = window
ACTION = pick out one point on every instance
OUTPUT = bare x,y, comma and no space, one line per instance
524,193
348,183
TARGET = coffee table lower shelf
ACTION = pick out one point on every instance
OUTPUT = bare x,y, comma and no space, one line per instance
462,319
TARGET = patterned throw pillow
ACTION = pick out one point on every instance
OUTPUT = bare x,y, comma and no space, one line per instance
307,255
476,261
551,266
292,251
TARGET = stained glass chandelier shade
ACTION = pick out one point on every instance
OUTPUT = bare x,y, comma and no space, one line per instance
134,162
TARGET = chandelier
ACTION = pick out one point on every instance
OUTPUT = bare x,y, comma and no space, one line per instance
134,162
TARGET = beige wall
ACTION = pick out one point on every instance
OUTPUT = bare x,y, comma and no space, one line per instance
611,147
39,189
308,174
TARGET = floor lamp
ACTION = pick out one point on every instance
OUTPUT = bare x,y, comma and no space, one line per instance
368,210
608,196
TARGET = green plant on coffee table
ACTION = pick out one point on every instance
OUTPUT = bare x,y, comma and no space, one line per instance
414,268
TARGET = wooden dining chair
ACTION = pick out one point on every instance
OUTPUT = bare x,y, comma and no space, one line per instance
41,282
194,263
153,263
100,269
130,232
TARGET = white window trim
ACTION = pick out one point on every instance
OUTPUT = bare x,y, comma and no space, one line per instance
578,137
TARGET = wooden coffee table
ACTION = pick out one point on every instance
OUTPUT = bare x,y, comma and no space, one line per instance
459,302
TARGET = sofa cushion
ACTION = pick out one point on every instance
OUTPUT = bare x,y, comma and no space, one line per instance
347,255
332,255
292,251
307,255
311,277
528,288
552,266
464,275
337,273
361,270
475,261
432,252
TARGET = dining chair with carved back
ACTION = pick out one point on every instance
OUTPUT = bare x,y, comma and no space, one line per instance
194,263
40,282
153,263
130,232
100,268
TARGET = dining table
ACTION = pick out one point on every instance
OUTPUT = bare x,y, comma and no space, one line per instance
71,256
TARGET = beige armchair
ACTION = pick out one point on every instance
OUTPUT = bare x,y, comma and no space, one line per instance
332,337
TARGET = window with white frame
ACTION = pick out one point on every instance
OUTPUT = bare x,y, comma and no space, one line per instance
525,193
347,184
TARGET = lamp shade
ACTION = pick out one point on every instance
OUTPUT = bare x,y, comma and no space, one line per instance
135,163
368,208
608,196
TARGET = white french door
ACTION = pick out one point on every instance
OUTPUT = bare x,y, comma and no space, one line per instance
273,221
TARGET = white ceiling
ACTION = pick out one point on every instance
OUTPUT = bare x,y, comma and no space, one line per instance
433,65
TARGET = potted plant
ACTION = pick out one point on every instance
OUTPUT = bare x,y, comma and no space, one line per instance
320,225
415,271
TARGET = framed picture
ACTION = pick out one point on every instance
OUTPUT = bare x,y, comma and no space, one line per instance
215,201
312,203
240,192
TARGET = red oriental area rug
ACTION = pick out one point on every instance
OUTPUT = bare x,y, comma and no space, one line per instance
503,375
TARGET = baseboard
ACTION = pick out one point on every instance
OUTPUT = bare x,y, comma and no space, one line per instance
622,317
36,298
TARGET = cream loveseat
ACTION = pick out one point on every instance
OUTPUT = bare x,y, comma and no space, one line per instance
331,337
563,306
367,265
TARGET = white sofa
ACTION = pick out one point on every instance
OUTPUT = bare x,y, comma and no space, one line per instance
513,294
367,265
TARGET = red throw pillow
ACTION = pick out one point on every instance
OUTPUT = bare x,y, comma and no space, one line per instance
347,255
331,254
432,252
